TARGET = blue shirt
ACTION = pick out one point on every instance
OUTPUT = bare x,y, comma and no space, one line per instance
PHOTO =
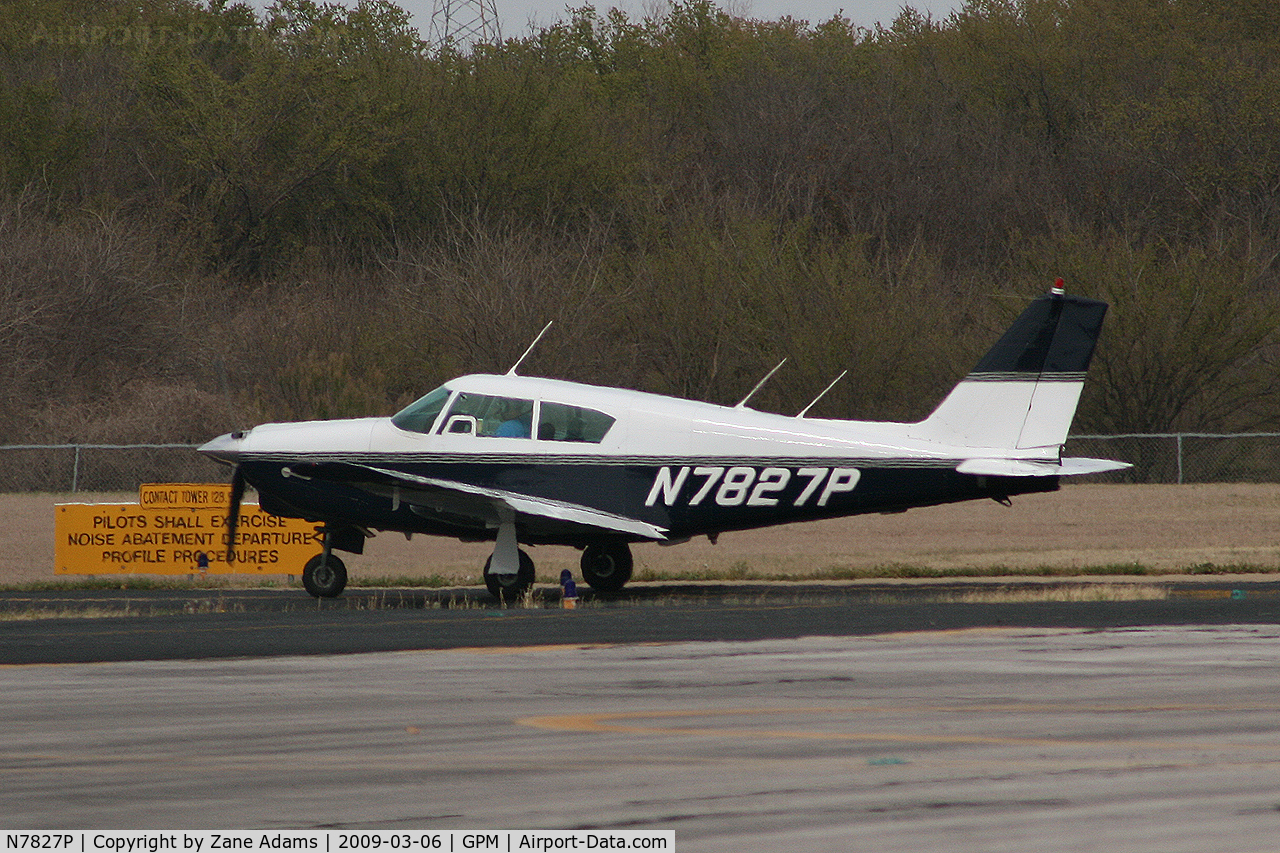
514,428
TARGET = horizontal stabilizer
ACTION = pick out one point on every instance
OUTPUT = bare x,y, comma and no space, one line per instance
1028,468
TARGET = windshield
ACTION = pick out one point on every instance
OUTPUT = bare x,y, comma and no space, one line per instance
419,415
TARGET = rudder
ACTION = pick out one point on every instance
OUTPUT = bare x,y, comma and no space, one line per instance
1023,393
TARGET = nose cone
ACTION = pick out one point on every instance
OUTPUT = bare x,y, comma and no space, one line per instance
225,447
295,439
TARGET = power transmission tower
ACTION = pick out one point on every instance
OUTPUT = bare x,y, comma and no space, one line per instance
462,24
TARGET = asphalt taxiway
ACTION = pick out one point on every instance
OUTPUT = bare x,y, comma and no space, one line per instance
195,624
755,719
1139,739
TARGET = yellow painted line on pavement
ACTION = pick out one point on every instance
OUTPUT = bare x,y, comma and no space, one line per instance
616,723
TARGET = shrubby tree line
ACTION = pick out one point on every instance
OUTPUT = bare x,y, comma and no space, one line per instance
211,216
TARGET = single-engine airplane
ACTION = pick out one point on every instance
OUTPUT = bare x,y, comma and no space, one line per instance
523,460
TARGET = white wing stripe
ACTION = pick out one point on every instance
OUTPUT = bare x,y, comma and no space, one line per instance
538,506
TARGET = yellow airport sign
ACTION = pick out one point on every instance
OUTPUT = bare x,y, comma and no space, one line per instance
108,539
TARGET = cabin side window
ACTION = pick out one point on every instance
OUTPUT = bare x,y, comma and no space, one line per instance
484,415
558,422
419,415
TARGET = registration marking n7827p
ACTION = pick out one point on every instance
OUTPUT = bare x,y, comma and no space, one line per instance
745,485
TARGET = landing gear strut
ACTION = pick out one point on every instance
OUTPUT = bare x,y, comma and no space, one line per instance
324,575
607,568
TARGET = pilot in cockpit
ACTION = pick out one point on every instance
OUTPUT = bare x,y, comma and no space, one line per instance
517,419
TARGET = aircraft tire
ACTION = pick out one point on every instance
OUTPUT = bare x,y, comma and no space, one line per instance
516,585
606,568
324,578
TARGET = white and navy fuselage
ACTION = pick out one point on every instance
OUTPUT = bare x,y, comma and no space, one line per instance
573,464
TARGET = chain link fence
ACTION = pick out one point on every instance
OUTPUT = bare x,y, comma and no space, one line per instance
1156,458
62,468
1185,457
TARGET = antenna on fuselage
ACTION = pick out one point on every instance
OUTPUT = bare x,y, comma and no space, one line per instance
806,409
520,360
759,385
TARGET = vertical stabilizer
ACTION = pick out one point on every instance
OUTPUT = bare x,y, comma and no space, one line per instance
1023,393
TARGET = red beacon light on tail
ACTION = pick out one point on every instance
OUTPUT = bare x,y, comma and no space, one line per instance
1059,288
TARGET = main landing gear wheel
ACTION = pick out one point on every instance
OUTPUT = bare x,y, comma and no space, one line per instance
607,568
324,576
509,588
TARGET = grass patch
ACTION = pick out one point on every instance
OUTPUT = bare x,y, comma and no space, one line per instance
1060,592
36,613
902,570
738,571
908,571
145,582
216,604
429,582
741,571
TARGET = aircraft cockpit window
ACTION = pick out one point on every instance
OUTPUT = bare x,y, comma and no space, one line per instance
498,417
419,415
559,422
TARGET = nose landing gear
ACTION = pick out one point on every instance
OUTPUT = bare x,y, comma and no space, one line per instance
324,575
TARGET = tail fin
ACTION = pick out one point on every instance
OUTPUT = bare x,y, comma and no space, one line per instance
1023,393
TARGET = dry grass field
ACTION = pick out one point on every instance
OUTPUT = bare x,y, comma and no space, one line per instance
1084,527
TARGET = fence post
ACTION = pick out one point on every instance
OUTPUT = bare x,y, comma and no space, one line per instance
75,472
1179,437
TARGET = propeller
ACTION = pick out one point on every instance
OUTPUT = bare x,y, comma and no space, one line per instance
233,516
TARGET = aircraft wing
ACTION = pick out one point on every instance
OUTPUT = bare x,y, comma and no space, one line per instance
479,503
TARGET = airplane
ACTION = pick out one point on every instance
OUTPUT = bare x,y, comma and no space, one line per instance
522,460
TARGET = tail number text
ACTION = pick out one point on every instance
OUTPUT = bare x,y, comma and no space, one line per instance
746,486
